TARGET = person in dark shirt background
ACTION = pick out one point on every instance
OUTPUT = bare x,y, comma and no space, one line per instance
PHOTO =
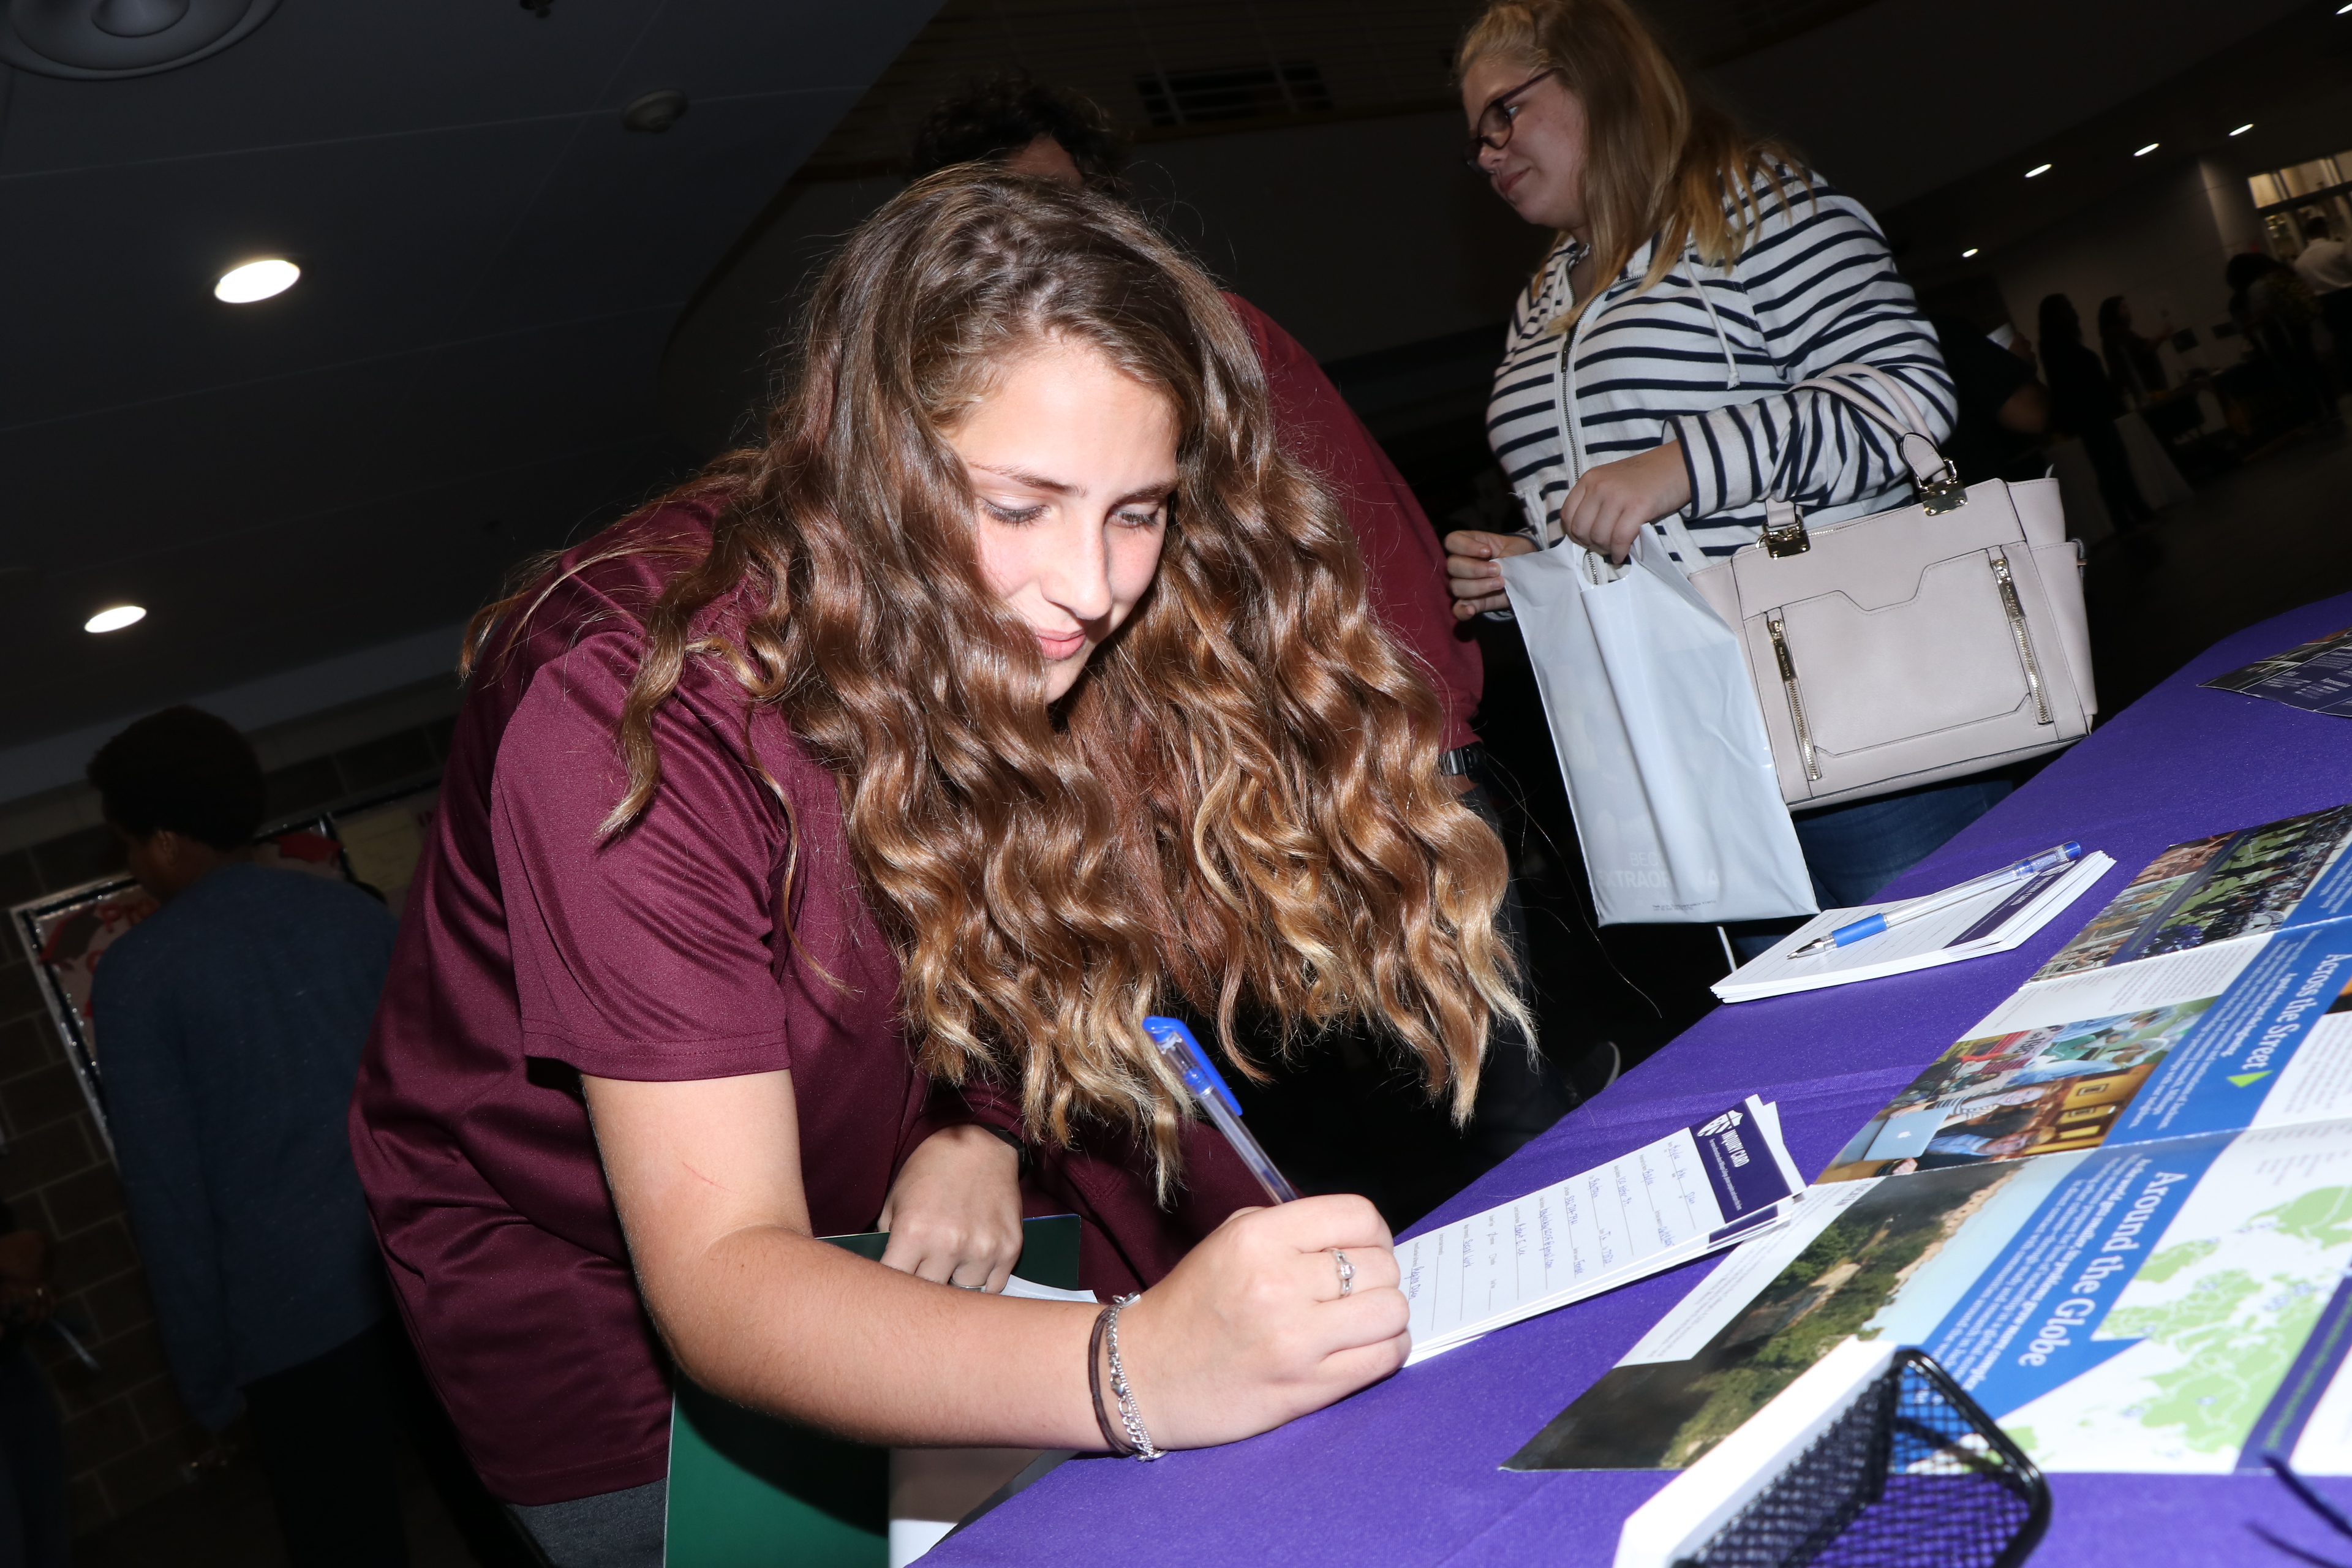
2003,410
232,1021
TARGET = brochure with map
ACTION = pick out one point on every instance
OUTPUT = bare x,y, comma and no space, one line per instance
2175,1307
2316,676
2247,882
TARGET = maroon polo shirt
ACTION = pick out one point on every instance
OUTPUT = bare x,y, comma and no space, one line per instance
1403,562
532,952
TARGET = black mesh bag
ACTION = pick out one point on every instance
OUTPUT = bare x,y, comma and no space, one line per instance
1912,1475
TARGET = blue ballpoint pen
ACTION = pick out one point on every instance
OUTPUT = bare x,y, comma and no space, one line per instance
1185,1055
1870,925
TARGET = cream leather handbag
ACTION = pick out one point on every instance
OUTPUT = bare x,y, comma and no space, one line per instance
1912,646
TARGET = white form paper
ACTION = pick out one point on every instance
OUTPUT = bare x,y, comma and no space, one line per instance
1646,1210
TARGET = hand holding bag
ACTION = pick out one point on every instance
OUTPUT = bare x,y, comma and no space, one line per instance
1913,646
1654,719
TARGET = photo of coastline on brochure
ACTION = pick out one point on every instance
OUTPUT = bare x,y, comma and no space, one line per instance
2243,883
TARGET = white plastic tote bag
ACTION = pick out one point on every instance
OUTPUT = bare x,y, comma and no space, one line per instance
1655,723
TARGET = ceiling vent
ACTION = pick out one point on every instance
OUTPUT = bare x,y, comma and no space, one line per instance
97,39
1244,92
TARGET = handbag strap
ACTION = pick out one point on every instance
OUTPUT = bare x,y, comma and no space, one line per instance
1893,411
1939,484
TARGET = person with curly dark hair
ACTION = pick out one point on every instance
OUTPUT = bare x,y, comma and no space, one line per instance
1022,125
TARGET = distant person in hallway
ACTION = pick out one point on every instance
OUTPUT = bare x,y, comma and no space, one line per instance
1052,133
2276,310
2325,268
34,1529
232,1021
2002,409
2133,364
2083,404
1697,272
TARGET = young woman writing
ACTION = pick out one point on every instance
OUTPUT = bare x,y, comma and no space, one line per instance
1698,273
1017,685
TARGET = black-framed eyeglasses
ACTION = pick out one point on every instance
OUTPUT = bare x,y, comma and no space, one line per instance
1494,130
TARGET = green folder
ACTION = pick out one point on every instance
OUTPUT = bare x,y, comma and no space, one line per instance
748,1490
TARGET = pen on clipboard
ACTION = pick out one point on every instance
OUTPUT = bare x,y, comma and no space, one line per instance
1185,1055
1870,925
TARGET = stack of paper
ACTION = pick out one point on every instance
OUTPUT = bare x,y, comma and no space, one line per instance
1689,1193
1993,922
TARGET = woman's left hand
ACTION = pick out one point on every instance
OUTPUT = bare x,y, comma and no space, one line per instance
1614,502
954,1212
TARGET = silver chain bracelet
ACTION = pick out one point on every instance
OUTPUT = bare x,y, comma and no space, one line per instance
1138,1438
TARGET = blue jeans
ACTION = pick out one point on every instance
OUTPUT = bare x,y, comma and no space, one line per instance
1854,850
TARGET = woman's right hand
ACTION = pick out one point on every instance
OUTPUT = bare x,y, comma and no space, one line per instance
1250,1329
1472,569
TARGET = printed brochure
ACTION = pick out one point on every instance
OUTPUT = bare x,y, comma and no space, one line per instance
2316,676
2173,1307
2246,883
2252,1033
2118,1211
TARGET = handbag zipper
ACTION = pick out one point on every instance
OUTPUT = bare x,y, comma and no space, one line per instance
2020,634
1796,695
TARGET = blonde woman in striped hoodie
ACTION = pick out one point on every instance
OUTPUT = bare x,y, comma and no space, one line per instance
1698,273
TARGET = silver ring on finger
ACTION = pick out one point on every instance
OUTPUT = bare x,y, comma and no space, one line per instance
982,1285
1346,1272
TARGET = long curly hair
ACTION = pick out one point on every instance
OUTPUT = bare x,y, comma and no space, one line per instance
1238,804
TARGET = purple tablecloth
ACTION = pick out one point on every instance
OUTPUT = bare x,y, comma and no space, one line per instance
1407,1472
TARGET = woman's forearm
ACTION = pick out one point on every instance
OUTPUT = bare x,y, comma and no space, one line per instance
1254,1327
799,1327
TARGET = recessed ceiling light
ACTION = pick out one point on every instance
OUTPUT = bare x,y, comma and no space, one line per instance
1971,250
256,280
115,619
2241,130
2037,169
2153,145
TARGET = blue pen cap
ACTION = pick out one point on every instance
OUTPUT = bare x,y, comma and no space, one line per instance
1200,1073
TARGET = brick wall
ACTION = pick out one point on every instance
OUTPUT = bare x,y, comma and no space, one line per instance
128,1438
